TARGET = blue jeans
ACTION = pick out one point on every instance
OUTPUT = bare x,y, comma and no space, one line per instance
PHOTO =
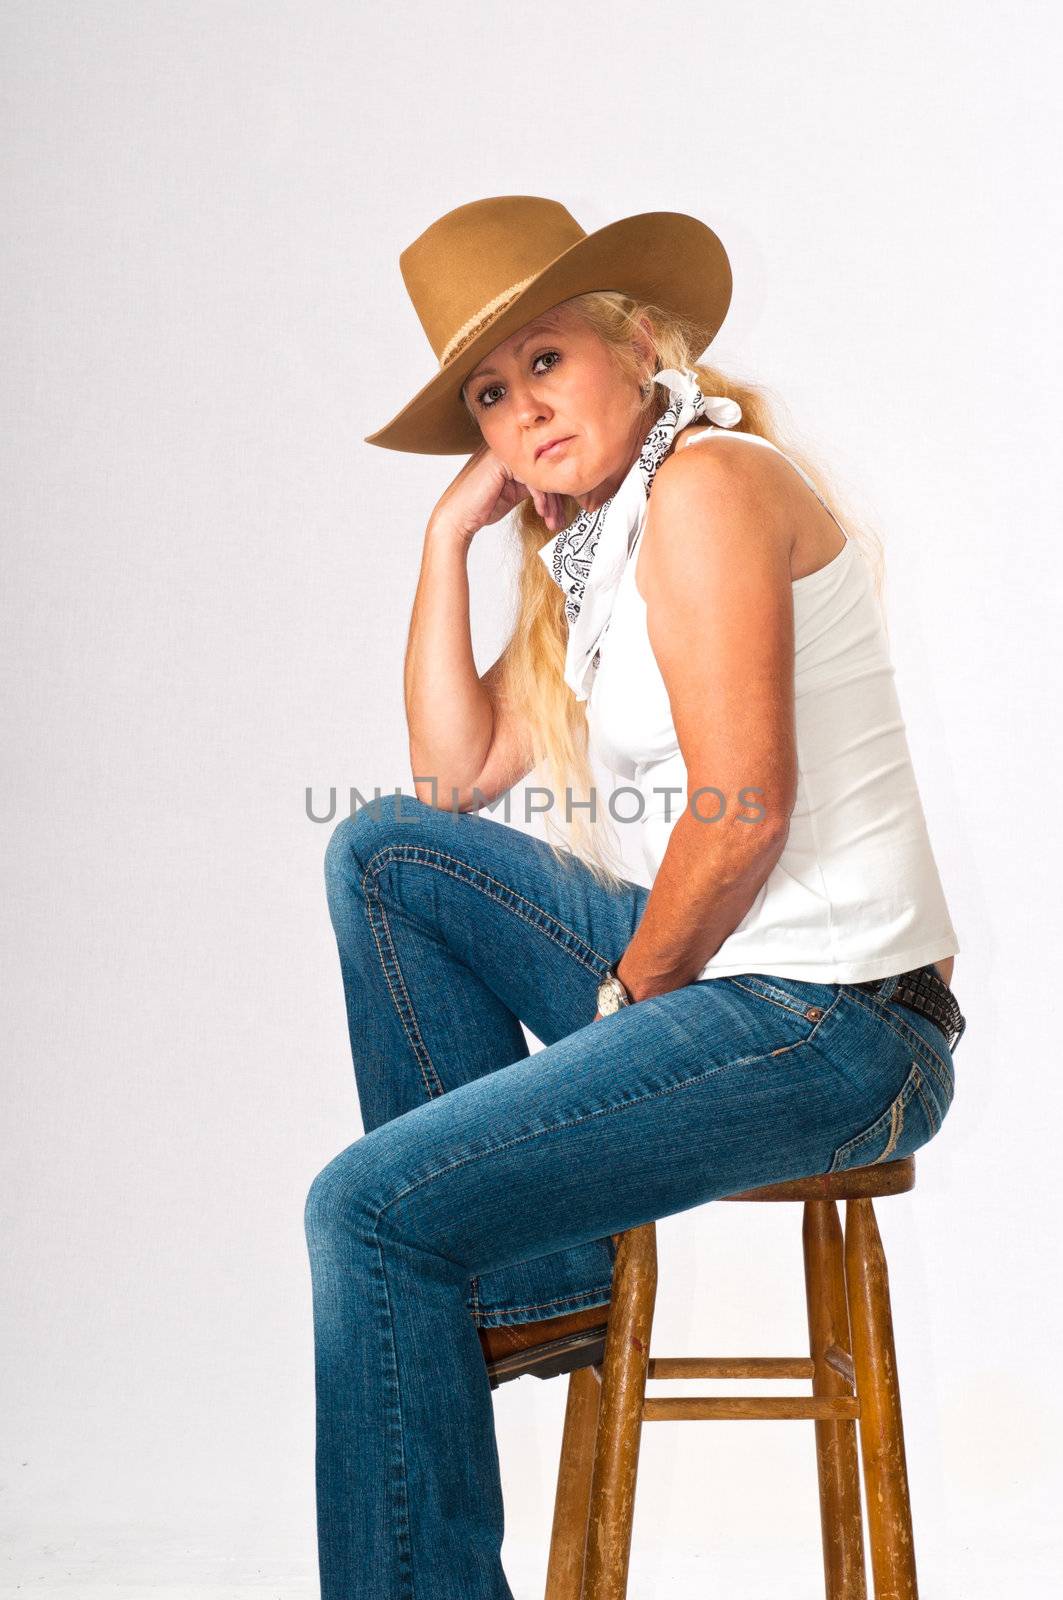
489,1181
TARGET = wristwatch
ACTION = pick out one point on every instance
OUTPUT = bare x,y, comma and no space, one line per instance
611,992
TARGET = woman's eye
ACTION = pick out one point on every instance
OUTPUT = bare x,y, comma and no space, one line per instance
487,403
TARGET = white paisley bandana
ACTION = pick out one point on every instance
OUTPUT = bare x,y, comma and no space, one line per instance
587,558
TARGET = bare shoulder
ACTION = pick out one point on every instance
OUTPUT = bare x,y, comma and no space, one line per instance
754,460
740,495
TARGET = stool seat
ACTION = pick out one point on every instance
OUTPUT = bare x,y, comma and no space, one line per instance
854,1183
854,1402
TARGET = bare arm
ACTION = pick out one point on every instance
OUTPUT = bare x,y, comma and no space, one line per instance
720,619
467,746
461,732
448,710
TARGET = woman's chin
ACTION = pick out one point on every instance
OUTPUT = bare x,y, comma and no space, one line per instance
564,478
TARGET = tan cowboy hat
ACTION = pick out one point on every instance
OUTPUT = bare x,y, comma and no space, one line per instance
483,270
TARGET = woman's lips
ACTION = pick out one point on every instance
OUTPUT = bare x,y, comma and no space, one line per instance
553,449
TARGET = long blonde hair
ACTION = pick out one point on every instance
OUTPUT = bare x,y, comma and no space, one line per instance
533,661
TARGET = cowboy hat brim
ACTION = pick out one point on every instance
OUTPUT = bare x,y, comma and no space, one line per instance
664,257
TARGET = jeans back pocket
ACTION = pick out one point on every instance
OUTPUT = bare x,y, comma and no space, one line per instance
910,1121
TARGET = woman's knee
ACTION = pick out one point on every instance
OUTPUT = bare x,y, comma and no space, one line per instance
337,1197
352,1206
356,839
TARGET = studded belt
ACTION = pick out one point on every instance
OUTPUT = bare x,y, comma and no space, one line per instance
923,990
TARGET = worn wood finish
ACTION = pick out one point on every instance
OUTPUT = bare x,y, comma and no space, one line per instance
746,1408
730,1367
889,1516
568,1540
841,1519
616,1456
854,1183
853,1371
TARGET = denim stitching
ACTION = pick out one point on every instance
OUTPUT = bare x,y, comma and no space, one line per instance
777,997
477,879
549,1305
895,1113
427,856
896,1125
565,1127
395,1412
930,1108
910,1037
839,1161
407,1016
908,1034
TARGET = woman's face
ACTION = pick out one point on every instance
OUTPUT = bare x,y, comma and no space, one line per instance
556,379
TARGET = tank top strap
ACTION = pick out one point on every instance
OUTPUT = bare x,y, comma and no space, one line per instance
758,438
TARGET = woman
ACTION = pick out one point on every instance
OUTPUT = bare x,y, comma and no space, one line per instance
776,1004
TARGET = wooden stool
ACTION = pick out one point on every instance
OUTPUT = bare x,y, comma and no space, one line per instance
852,1366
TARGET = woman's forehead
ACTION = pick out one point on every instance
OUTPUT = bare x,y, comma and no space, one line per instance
546,322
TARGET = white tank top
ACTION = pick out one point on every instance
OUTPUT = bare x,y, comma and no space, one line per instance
856,893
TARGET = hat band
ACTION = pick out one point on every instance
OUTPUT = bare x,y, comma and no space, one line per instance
481,318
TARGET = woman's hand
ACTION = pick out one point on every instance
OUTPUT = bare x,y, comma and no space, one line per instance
484,491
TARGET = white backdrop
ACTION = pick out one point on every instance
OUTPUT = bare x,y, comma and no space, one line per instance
208,581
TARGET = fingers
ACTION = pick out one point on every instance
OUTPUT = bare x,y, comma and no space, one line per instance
552,513
547,504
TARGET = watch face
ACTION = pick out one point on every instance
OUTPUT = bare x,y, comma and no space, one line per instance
609,999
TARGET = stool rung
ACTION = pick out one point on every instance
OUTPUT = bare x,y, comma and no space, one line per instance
722,1408
730,1367
845,1374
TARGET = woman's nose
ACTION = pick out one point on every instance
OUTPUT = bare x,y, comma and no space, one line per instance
531,407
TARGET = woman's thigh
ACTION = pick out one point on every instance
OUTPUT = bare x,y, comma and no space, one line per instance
710,1089
536,930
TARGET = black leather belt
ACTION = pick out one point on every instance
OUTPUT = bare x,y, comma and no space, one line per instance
923,990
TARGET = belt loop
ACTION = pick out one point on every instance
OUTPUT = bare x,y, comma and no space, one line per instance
885,991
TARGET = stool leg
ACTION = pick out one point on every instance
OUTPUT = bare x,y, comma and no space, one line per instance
889,1513
837,1462
568,1539
624,1367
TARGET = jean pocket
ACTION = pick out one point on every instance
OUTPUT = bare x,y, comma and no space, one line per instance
808,1001
926,1040
911,1120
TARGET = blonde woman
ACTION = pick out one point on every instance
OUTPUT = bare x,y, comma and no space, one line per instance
775,1004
